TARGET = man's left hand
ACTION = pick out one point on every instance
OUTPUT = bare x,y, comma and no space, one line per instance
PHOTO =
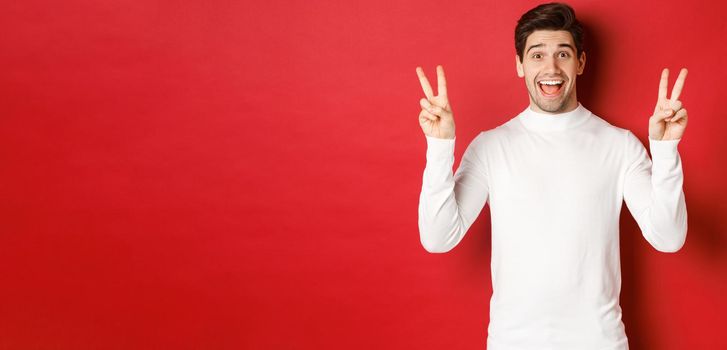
670,118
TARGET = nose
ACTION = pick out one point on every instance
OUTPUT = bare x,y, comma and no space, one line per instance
551,65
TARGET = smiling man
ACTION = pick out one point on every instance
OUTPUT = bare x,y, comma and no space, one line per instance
550,69
555,177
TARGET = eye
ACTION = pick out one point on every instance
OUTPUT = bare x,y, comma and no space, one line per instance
563,54
537,55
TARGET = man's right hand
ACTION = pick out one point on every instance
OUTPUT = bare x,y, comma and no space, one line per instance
436,118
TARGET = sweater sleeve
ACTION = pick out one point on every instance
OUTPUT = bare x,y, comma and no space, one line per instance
653,192
449,204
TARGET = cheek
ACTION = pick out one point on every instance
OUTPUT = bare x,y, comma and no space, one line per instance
571,67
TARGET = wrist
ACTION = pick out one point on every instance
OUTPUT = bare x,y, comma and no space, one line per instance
664,148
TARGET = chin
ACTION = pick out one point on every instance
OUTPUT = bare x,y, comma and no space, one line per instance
552,107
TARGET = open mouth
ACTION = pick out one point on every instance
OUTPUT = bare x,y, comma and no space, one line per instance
551,88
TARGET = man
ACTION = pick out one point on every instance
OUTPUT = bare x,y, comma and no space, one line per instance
555,177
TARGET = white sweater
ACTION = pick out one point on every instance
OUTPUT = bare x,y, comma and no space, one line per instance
555,185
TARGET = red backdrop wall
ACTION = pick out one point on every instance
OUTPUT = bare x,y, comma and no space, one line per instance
238,175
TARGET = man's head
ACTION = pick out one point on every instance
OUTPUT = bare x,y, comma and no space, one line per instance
549,46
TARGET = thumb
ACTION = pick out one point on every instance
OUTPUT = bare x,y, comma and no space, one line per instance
666,113
441,112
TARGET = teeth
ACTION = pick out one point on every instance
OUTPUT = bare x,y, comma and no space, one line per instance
551,82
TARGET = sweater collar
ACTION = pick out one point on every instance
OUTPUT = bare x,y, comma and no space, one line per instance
539,121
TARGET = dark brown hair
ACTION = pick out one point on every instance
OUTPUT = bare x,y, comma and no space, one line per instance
551,16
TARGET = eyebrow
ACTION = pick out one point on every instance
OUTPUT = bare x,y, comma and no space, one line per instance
559,45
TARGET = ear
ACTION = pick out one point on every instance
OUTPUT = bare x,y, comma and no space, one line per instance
519,66
582,63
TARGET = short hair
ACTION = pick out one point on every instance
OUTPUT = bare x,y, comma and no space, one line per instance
550,16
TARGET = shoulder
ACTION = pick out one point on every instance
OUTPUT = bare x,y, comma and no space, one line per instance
616,134
487,138
620,139
498,133
630,144
608,129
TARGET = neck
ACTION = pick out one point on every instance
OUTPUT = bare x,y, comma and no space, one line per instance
570,105
543,121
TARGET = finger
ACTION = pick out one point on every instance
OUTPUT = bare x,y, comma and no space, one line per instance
677,90
426,115
663,83
665,114
436,110
681,114
425,83
441,82
425,104
440,112
668,109
674,105
431,108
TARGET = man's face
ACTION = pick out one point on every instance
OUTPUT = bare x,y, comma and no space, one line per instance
550,68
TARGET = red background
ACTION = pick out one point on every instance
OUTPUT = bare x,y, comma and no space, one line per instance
226,175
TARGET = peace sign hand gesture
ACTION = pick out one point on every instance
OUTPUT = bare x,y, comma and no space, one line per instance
436,118
670,119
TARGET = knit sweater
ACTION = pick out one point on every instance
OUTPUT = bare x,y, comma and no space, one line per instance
555,184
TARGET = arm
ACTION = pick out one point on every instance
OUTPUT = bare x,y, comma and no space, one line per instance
448,205
653,192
